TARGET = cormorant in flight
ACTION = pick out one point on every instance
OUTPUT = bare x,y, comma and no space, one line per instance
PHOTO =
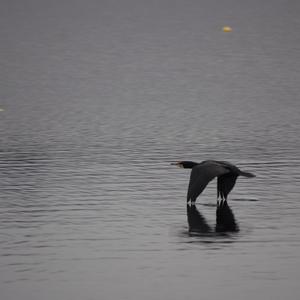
202,173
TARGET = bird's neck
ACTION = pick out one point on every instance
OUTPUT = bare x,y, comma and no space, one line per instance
189,164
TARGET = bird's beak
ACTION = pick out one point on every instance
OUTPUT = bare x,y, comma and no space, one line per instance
177,163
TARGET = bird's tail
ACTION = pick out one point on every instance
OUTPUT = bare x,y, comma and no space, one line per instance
247,174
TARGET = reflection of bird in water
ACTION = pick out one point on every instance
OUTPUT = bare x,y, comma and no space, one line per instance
225,218
225,221
202,173
196,221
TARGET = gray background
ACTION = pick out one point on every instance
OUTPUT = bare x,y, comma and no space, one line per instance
98,98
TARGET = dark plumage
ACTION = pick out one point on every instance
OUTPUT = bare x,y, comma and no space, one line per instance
202,173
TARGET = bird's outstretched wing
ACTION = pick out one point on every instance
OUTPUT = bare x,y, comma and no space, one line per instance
201,175
225,184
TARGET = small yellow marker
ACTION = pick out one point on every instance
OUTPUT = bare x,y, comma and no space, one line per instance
1,109
227,29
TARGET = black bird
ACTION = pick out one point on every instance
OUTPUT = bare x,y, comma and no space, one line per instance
202,173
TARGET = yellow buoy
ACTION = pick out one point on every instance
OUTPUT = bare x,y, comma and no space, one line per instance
1,109
227,29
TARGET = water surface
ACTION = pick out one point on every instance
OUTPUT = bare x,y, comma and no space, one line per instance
98,98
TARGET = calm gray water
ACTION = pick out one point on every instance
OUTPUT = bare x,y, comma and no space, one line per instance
97,98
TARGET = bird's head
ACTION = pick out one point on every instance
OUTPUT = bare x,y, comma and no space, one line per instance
184,164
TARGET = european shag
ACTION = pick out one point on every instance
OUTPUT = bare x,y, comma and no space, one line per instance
202,173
